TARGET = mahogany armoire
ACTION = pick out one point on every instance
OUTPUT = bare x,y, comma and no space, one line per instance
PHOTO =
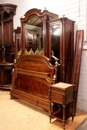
45,31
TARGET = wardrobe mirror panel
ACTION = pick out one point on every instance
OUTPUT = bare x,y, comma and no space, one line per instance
55,40
34,34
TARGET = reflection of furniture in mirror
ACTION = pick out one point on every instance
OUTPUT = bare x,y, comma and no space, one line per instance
62,44
7,12
33,34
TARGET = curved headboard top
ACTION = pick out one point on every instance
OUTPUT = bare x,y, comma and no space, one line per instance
38,63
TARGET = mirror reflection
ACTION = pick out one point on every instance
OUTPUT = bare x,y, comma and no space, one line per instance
34,34
55,38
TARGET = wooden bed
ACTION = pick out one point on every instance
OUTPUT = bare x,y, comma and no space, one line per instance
31,78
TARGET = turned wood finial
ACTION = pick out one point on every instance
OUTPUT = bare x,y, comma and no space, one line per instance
54,78
63,15
14,60
13,70
44,8
23,16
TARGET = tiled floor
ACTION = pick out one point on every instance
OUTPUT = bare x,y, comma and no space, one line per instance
17,115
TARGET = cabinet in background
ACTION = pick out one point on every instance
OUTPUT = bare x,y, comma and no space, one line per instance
7,12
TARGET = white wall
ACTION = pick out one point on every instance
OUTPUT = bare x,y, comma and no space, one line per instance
73,9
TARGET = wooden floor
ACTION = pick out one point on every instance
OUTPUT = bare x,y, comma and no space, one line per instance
17,115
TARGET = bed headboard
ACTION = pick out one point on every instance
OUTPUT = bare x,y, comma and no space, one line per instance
36,63
31,78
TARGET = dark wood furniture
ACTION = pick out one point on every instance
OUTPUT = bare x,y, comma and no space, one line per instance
49,35
17,41
61,40
5,75
77,63
35,31
7,12
61,94
31,78
40,40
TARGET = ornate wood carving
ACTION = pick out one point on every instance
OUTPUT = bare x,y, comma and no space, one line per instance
31,78
7,12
